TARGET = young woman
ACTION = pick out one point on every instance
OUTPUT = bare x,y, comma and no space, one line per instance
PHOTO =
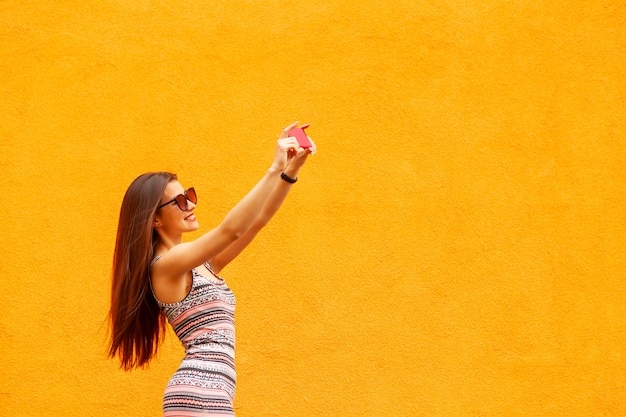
157,276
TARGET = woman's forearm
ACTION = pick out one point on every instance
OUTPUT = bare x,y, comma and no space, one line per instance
244,213
276,198
272,204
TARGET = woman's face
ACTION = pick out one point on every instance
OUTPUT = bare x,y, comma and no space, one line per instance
170,218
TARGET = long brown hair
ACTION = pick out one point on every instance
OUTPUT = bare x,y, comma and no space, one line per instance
137,324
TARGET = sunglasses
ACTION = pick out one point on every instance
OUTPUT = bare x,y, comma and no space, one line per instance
181,199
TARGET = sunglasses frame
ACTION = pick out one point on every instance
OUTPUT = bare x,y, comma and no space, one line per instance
184,195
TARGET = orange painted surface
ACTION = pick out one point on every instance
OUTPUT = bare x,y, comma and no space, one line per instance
456,248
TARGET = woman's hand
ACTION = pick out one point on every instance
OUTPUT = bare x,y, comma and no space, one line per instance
288,151
299,158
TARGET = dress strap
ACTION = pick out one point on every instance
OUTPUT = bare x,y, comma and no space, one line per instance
156,258
208,266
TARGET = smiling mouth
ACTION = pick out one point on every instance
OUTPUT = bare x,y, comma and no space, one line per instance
191,217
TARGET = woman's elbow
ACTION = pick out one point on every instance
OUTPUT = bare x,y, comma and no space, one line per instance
232,231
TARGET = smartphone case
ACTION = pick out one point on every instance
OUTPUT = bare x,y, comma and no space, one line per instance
301,137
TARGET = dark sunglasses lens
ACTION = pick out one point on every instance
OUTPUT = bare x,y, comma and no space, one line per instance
181,200
191,195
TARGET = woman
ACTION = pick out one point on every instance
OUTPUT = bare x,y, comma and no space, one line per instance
156,275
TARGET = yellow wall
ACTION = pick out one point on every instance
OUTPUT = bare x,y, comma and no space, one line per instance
456,248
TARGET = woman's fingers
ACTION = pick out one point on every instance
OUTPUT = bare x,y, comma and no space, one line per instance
285,132
313,147
288,143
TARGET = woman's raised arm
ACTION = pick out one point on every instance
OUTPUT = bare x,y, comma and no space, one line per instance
271,206
182,257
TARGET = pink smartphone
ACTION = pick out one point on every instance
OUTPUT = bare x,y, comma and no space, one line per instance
298,133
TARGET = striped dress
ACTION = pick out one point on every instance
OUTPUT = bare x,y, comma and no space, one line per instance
204,384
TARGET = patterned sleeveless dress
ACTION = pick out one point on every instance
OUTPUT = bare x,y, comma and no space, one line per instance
204,321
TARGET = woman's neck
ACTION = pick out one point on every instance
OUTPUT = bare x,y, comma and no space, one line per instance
166,243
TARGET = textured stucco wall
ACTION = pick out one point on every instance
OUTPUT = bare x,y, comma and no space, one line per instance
456,248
